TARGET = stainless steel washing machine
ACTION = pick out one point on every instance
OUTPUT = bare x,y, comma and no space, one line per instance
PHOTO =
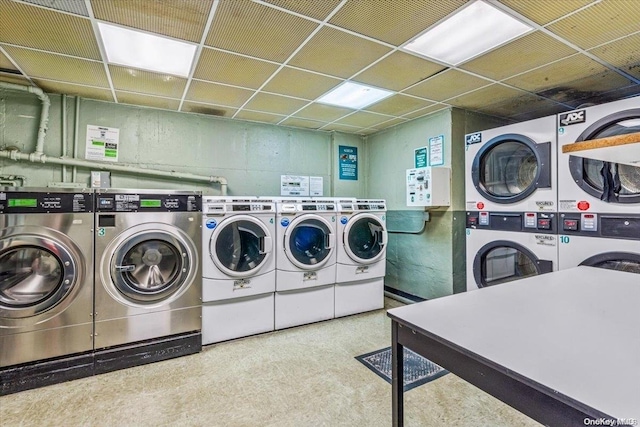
46,275
148,275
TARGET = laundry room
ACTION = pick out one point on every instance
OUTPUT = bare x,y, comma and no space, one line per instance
329,213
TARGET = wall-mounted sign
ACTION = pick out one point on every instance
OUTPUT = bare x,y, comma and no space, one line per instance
348,162
316,186
436,150
420,156
294,185
102,143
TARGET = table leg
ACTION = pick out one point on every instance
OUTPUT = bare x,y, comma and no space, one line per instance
397,382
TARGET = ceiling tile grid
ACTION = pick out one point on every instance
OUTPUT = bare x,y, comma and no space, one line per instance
270,60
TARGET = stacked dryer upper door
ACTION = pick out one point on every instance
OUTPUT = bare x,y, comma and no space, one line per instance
365,238
309,241
593,185
512,168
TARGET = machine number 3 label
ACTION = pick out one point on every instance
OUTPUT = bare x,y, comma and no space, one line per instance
101,232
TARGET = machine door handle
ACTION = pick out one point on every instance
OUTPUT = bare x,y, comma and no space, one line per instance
125,267
330,241
265,245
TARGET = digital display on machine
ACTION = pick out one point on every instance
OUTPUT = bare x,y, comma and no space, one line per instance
151,203
23,203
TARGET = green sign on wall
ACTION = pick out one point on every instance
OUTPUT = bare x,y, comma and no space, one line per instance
421,159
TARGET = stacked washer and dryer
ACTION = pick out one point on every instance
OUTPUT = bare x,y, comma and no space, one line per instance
511,202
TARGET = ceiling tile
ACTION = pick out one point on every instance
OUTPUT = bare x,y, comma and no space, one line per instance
147,101
341,128
253,29
612,95
45,29
367,131
5,64
363,119
323,112
390,123
58,67
519,104
14,78
447,84
600,23
256,116
208,109
301,84
318,9
133,80
75,90
233,69
394,21
425,111
523,54
337,53
275,104
547,109
577,77
397,105
543,12
302,123
184,19
217,94
478,98
622,54
71,6
398,71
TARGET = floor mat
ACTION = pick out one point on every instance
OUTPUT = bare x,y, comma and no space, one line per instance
417,369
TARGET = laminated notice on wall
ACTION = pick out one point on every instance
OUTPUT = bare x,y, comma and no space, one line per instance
102,143
316,186
294,185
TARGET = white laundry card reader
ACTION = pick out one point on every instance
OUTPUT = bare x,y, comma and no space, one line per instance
429,187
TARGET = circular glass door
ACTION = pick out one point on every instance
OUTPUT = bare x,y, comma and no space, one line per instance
506,169
501,262
309,241
590,174
240,246
150,267
36,274
365,238
620,261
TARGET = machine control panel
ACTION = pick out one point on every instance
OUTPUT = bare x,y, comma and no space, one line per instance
617,226
252,207
26,202
589,222
132,202
534,222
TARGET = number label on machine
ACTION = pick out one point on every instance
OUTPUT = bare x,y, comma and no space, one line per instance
430,187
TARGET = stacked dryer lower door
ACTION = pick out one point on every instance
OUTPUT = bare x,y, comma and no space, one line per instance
239,277
46,286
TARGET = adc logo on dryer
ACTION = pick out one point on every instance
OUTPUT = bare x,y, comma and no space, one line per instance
473,138
573,118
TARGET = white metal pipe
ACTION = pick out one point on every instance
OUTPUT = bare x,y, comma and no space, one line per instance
44,114
64,135
76,133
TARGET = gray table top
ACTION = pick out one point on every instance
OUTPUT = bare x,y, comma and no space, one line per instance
576,331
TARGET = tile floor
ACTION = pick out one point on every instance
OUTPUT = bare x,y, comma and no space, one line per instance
305,376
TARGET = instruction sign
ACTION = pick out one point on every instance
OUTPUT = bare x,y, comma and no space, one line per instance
294,185
316,187
102,143
348,162
421,160
436,150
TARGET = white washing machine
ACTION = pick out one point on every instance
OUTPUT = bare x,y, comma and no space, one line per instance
600,240
305,261
238,267
503,247
587,185
512,168
361,256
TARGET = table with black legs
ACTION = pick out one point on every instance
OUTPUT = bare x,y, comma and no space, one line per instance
562,348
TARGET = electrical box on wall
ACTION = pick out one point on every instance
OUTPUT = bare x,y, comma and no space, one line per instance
430,187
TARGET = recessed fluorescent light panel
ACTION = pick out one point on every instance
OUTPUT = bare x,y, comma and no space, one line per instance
146,51
467,33
354,95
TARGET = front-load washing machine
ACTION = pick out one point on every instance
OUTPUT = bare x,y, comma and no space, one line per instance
512,168
587,185
503,247
46,286
238,267
148,276
600,240
361,256
305,261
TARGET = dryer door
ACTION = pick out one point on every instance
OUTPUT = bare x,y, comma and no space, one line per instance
309,241
621,261
365,238
240,246
38,274
612,183
503,261
510,167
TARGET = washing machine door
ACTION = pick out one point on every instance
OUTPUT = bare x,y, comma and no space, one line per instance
240,246
309,241
621,261
39,275
592,175
503,261
153,265
365,238
510,167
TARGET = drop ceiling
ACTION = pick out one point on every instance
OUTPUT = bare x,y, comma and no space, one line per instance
269,61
